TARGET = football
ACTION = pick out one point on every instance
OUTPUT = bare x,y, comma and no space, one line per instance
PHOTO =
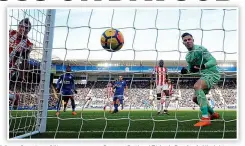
112,40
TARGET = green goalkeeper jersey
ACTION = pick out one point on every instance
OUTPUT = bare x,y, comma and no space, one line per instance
200,55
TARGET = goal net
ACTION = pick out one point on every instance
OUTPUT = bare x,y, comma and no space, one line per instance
30,43
150,35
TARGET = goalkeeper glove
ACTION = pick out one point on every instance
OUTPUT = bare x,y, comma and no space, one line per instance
193,69
197,68
184,70
202,66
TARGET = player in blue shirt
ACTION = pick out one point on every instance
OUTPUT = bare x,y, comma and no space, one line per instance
119,87
67,89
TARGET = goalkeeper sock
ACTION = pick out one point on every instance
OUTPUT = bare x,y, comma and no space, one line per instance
202,101
210,110
73,104
204,110
158,105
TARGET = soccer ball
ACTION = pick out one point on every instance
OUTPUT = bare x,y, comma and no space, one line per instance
112,40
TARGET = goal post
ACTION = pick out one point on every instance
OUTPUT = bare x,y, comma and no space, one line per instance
46,69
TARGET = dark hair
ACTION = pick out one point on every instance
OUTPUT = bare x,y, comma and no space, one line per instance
27,22
161,63
185,34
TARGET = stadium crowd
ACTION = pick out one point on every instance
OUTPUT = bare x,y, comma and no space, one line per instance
139,91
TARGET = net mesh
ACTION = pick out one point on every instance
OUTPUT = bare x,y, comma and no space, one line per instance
151,34
24,86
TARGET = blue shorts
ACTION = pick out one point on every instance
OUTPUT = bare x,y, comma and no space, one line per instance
67,92
66,95
120,97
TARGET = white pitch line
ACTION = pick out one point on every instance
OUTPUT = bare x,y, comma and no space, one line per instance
144,131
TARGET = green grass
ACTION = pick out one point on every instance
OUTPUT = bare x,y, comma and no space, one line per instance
136,124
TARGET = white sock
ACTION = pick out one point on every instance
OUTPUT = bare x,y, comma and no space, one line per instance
166,103
158,105
161,107
205,116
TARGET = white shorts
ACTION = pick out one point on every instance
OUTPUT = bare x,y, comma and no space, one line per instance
162,88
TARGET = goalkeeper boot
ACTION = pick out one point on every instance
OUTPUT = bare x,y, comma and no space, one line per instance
74,113
203,122
214,116
158,113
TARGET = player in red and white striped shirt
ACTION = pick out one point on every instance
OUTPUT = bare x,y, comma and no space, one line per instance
160,72
19,50
109,96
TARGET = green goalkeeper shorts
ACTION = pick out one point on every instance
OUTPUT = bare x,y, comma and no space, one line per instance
210,78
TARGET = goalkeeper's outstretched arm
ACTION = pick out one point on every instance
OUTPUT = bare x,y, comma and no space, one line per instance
211,61
207,57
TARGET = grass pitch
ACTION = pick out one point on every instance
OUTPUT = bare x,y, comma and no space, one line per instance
97,124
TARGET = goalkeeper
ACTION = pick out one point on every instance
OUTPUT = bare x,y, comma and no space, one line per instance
200,60
67,88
